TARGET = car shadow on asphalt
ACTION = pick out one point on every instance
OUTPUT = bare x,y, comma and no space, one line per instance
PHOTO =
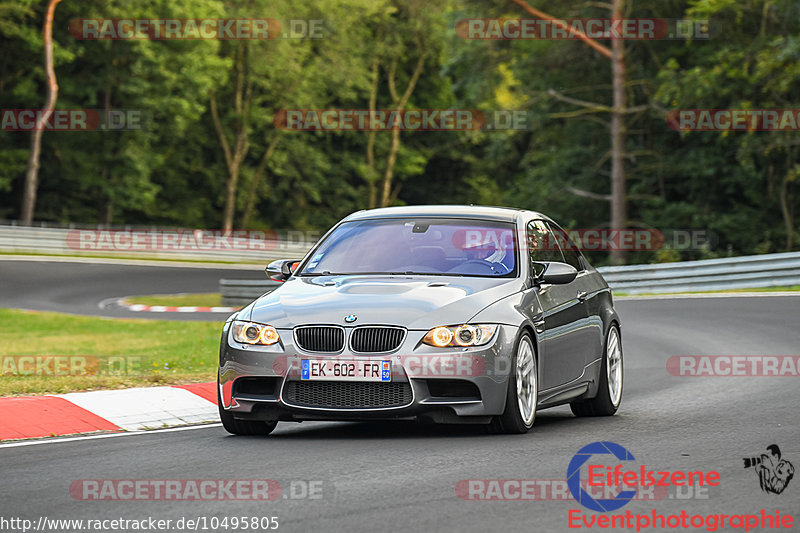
402,429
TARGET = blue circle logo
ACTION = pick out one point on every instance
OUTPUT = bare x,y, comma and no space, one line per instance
574,477
350,318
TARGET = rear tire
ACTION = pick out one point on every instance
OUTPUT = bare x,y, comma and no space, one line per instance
242,427
609,397
522,396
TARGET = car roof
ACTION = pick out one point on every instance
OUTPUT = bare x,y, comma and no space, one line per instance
507,214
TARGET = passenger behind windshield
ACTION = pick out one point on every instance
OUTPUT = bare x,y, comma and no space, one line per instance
444,247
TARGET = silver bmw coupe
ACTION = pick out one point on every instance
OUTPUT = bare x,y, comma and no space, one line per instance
446,314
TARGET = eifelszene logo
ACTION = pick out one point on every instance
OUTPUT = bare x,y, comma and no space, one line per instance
617,477
608,466
574,476
774,473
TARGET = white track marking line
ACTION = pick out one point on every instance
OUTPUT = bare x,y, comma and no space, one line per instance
56,440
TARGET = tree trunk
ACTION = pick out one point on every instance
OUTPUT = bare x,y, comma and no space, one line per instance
32,173
390,162
618,208
788,219
786,210
230,198
234,156
252,193
400,104
108,213
618,131
108,202
373,98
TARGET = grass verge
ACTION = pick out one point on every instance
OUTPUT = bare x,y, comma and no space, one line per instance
67,353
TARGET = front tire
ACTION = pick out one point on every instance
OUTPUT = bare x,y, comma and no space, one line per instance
242,427
523,391
609,392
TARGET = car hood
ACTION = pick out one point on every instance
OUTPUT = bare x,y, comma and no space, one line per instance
413,302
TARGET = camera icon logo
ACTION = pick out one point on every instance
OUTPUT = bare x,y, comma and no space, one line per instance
774,472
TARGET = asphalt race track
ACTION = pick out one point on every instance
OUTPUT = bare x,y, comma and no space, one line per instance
403,476
80,287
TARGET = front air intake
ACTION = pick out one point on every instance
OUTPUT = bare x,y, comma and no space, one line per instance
320,339
347,395
373,339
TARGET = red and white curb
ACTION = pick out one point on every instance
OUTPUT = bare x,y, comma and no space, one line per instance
122,302
182,309
29,417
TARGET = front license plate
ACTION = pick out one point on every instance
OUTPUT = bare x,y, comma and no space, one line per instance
325,370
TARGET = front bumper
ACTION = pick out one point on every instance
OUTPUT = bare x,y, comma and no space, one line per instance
458,385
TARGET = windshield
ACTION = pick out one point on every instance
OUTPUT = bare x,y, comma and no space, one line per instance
443,247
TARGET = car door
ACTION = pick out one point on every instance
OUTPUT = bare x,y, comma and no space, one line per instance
563,355
590,291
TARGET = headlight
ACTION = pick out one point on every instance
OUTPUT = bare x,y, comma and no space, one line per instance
464,335
252,333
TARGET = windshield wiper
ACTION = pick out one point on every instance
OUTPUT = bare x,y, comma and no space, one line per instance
445,274
407,273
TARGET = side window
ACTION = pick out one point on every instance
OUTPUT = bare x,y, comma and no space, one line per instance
568,248
542,246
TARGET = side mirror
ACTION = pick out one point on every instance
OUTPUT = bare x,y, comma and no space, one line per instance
282,269
555,273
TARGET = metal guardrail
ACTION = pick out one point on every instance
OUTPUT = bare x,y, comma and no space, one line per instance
242,291
119,242
749,272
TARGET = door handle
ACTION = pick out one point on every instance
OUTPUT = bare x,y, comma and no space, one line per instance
582,296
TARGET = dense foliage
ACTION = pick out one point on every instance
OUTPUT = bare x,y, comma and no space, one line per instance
741,188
